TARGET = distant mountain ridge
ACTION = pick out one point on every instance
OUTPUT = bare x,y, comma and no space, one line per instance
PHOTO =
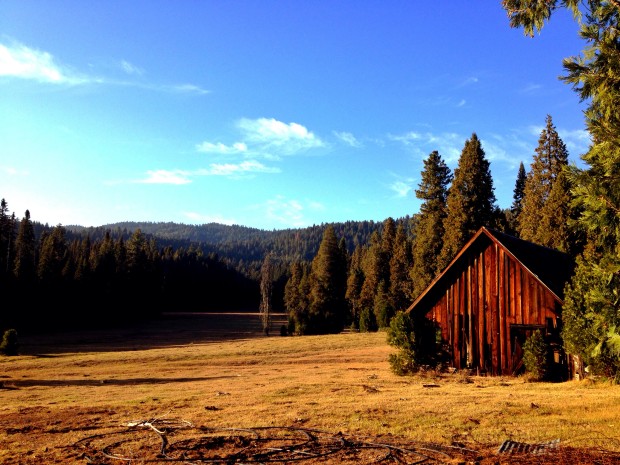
242,243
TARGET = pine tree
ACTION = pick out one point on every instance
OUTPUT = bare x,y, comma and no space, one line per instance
429,230
25,247
355,281
550,159
296,300
400,265
53,256
556,216
471,200
375,273
591,312
327,312
514,213
7,239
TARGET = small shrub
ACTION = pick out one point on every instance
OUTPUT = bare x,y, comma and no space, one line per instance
9,344
368,321
415,339
536,356
401,364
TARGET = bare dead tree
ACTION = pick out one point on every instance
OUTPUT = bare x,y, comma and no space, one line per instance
266,290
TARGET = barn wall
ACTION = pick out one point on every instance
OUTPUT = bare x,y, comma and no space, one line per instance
490,302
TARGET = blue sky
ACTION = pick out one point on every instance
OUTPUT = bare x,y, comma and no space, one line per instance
268,114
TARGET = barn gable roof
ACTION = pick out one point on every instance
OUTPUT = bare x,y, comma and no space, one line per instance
550,267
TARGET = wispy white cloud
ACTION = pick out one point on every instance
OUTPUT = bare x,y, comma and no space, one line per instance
401,188
232,170
468,81
218,147
131,69
19,61
188,89
531,88
288,213
23,62
265,138
449,145
461,103
236,169
285,137
577,141
348,139
177,177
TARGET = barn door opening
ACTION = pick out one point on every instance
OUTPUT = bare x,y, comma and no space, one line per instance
518,335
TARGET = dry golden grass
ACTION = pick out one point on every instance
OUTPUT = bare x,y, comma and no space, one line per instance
54,396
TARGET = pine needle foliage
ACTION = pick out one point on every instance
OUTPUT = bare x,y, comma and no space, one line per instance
429,230
546,197
512,215
471,201
592,299
327,309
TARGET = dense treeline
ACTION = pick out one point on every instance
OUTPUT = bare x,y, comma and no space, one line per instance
52,281
116,273
241,247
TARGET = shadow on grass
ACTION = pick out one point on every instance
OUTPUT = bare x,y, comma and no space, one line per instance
14,384
169,330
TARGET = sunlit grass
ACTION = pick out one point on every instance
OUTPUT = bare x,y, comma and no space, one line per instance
334,383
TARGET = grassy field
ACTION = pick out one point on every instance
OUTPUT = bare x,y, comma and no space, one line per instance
220,372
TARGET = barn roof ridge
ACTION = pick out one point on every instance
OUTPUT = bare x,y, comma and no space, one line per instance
536,259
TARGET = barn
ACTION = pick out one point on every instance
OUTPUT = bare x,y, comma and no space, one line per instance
492,296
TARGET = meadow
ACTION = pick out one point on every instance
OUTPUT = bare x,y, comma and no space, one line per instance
213,381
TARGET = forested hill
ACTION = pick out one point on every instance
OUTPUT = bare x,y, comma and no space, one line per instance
240,244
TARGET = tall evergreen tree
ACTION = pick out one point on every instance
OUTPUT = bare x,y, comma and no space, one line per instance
556,216
327,312
512,215
7,233
355,281
429,230
471,201
400,265
25,247
296,298
53,255
591,312
550,159
375,275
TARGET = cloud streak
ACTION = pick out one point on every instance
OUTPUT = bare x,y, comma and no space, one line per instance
288,212
218,147
231,170
348,139
266,138
22,62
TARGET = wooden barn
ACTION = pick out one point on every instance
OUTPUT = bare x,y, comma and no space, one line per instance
492,296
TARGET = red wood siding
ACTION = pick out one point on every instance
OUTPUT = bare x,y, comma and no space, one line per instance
486,299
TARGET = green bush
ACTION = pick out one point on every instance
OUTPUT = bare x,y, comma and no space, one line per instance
416,339
536,356
9,344
368,321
